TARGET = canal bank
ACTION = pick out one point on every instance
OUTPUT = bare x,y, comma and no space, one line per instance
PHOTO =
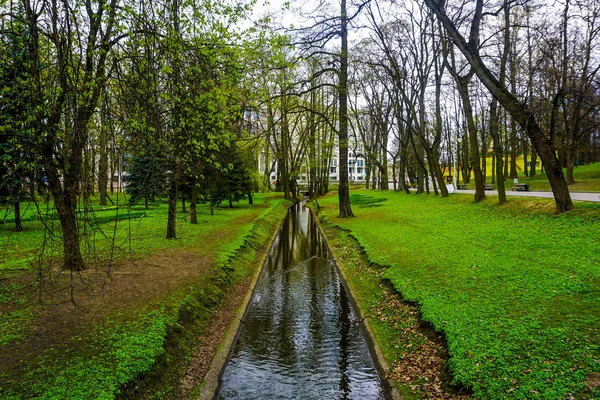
317,336
204,315
390,384
416,355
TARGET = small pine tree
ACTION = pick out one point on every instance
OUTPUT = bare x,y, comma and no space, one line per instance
233,184
145,179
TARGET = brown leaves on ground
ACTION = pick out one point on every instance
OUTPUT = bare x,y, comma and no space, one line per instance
592,380
419,353
422,353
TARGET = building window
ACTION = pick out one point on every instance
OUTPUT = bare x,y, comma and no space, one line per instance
333,170
334,163
351,170
359,163
359,170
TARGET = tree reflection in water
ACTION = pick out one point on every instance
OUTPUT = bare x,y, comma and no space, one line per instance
300,338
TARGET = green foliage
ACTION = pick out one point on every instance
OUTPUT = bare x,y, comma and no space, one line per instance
18,160
516,292
117,354
145,178
14,325
232,184
152,343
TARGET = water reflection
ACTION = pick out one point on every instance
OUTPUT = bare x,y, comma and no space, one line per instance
300,338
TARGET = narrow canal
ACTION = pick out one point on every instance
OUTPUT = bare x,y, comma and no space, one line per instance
300,338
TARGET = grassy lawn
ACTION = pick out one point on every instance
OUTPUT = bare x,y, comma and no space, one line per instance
115,232
141,320
514,289
587,179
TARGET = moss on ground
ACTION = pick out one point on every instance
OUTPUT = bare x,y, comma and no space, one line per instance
515,290
141,350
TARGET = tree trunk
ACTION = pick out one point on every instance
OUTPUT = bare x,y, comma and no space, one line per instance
103,162
193,204
525,157
172,202
343,189
484,156
513,150
433,181
384,173
465,168
420,180
506,163
497,165
17,210
394,177
463,89
493,165
518,109
282,156
65,208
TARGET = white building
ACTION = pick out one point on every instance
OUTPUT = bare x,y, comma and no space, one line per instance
356,168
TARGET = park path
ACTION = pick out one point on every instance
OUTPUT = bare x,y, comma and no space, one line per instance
578,196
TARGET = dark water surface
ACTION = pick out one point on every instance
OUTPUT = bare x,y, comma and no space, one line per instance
300,338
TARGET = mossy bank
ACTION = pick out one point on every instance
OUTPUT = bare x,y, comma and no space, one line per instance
144,326
514,290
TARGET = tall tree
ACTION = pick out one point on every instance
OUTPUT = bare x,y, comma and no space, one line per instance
78,58
519,110
343,189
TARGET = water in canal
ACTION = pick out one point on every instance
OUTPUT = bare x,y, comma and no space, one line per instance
300,338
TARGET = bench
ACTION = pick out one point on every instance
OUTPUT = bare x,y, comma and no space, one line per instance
488,187
461,186
521,187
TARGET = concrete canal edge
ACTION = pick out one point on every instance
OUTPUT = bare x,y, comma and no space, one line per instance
383,368
208,390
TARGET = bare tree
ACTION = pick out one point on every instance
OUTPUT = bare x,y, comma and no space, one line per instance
518,109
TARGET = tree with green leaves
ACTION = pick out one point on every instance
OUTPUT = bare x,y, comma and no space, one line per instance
145,178
233,183
18,159
67,69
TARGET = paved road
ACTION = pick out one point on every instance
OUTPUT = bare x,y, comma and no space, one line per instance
579,196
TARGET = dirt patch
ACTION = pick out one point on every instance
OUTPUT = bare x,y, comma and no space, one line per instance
77,301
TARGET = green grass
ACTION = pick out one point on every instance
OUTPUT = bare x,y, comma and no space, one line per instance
121,231
515,291
394,322
587,179
152,344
